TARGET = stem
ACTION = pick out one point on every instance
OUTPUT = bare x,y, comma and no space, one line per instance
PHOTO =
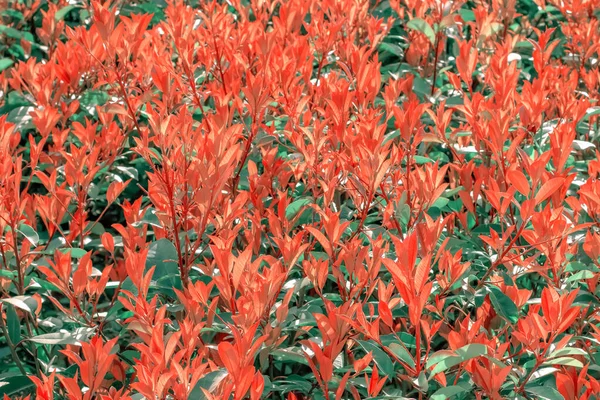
20,277
435,62
521,388
33,347
126,99
501,257
418,350
247,148
182,268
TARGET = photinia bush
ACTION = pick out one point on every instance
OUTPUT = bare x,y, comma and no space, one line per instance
299,199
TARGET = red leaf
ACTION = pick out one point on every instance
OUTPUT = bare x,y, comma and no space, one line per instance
519,181
548,189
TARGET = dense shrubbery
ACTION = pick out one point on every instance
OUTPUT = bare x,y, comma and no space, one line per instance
299,199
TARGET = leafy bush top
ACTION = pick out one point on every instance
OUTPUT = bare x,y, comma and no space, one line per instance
299,199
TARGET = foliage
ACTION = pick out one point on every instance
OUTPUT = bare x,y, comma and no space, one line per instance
299,199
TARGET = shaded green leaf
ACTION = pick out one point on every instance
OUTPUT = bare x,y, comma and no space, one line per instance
163,255
296,207
383,361
544,393
15,384
448,391
62,13
13,324
503,305
208,382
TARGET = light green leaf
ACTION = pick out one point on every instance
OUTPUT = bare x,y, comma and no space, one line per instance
568,361
75,252
472,350
64,337
25,303
208,382
55,338
445,364
149,218
568,351
422,160
422,26
130,172
581,275
402,354
5,63
29,233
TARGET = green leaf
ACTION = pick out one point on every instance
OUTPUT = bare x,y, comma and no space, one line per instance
55,338
568,351
568,361
20,116
503,305
440,202
295,207
592,111
403,213
64,337
391,136
13,324
544,393
93,98
29,233
5,273
422,26
383,361
15,384
13,14
209,382
422,160
62,13
25,303
392,49
149,218
402,354
444,359
422,383
130,172
75,252
582,145
5,63
447,392
289,355
445,364
467,15
579,276
472,350
438,356
16,34
421,87
163,255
